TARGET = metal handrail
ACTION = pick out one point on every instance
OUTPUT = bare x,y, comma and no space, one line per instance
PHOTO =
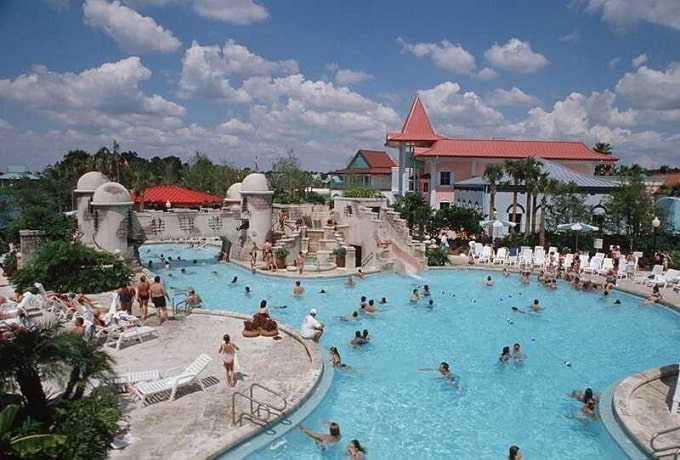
367,259
256,407
677,454
661,433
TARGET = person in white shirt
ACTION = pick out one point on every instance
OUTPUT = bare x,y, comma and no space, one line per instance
311,328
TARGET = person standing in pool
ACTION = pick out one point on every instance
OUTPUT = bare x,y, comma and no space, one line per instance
158,298
445,371
514,453
355,450
298,289
505,355
322,439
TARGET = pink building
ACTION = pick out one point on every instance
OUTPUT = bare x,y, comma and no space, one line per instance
439,161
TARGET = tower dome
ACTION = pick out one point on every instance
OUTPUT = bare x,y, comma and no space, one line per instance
111,193
90,181
255,182
234,191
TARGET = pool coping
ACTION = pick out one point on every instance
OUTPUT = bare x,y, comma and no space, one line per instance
305,400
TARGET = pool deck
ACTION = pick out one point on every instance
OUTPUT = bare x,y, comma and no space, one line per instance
198,424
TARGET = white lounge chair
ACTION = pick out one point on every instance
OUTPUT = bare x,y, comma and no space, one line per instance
670,278
584,261
676,397
568,260
187,377
594,265
607,264
539,257
501,255
526,257
485,256
656,270
118,337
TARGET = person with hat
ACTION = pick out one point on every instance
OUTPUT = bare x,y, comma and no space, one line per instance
311,327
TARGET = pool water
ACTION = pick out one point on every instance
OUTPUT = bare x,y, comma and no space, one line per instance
398,411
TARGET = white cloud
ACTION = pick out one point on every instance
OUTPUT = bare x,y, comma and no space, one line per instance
572,37
106,96
513,96
486,73
625,13
515,55
614,62
445,55
241,12
647,88
350,77
446,102
132,31
4,125
639,60
205,70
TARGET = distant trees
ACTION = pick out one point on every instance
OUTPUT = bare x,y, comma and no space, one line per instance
630,210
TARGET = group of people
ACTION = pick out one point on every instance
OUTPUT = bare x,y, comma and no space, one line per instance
589,400
516,355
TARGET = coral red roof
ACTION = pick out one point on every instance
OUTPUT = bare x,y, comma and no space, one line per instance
671,179
417,127
175,195
363,171
497,148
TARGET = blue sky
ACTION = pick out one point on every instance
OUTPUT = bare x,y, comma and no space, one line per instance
239,79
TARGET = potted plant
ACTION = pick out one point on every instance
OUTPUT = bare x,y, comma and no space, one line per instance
281,254
269,328
340,254
250,329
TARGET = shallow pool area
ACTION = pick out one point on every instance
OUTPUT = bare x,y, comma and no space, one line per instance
399,411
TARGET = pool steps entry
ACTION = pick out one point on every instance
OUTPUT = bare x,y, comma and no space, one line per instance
612,425
260,412
675,448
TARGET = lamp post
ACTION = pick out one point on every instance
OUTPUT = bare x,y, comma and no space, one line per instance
655,224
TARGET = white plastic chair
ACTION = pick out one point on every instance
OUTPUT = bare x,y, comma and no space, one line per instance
485,255
526,257
607,264
594,265
568,260
656,270
539,257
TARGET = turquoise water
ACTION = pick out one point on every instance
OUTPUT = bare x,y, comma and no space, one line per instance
398,411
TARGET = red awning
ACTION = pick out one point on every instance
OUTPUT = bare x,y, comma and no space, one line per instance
176,196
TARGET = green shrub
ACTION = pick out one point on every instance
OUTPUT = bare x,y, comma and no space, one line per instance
437,257
362,192
89,426
64,266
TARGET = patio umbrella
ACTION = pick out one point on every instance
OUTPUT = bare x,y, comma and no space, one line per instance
577,227
495,223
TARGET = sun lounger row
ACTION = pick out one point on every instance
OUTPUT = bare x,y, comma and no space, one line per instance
174,380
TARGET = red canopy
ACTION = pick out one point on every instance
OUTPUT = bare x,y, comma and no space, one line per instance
176,196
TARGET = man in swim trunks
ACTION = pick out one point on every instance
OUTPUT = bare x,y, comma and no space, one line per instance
158,298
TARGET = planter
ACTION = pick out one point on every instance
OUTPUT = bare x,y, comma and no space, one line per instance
255,333
281,262
340,262
272,333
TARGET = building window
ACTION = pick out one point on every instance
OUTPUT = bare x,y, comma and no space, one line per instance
426,187
444,205
215,222
445,178
186,223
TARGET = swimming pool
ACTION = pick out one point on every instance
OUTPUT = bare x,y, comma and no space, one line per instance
398,411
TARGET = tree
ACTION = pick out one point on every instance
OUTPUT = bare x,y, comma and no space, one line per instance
454,218
493,173
532,169
287,175
601,147
630,210
72,267
414,209
567,206
515,169
545,186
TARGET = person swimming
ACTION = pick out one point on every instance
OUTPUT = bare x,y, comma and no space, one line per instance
234,279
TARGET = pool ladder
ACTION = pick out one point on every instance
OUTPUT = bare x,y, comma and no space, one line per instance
675,447
260,413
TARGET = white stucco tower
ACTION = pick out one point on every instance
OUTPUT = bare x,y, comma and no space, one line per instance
256,199
112,209
87,184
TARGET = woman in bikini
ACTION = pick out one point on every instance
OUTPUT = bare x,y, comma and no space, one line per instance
228,350
142,289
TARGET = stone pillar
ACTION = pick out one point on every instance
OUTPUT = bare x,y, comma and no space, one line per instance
30,240
259,207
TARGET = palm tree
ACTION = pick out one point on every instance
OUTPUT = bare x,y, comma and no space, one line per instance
545,186
601,147
515,169
532,169
493,174
87,360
